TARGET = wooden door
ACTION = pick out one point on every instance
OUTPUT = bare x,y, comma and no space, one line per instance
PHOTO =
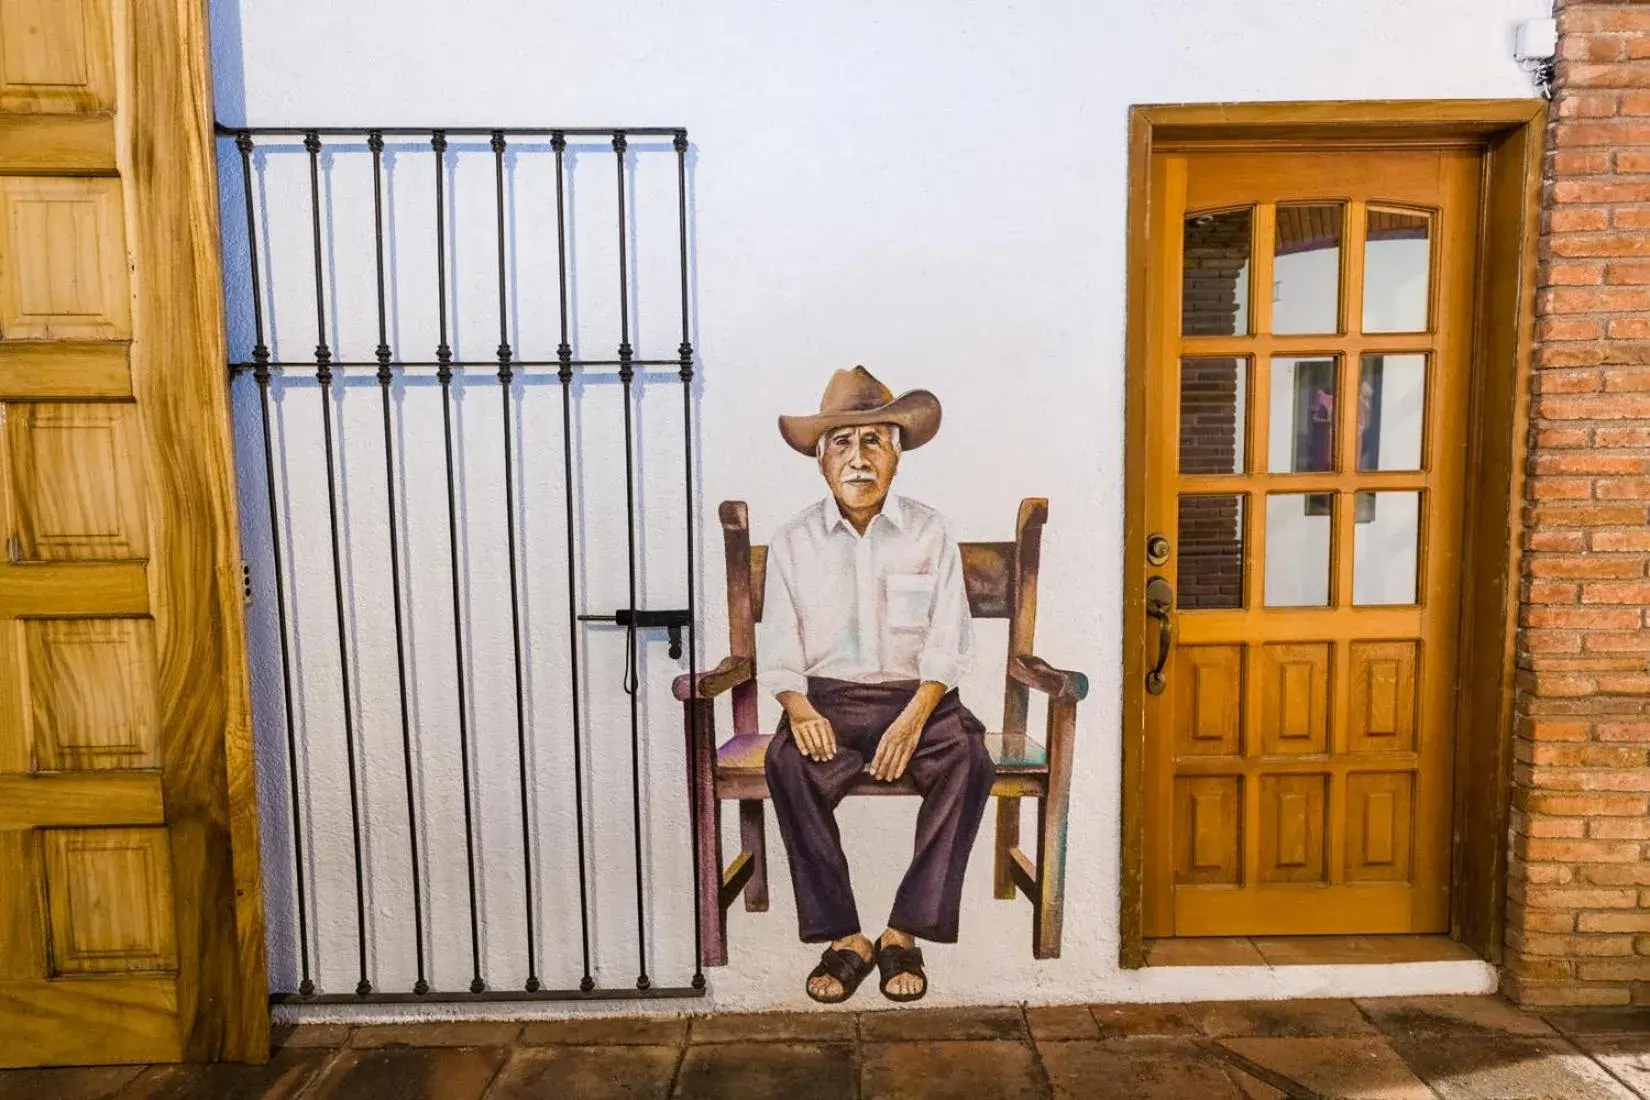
130,928
1311,317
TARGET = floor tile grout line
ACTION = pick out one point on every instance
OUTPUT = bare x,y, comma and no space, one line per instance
309,1087
1037,1052
509,1053
681,1059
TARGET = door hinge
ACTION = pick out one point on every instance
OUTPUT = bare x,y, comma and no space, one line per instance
246,584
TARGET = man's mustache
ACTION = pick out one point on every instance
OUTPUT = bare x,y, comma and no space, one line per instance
852,479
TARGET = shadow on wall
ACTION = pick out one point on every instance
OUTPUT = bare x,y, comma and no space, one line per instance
446,463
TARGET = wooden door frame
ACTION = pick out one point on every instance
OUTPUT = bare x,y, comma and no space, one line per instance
1511,133
180,373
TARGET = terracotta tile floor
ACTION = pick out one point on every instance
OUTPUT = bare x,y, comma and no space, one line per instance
1457,1048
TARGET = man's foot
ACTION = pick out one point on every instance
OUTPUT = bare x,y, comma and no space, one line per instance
910,985
828,988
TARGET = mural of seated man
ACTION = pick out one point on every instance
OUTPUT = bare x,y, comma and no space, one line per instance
865,633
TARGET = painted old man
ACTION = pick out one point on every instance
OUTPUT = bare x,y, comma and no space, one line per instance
865,633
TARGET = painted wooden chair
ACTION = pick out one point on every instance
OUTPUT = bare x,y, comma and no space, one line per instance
1001,579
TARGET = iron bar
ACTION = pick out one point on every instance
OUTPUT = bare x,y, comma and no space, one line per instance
363,364
564,352
492,996
323,375
626,376
375,142
505,375
260,358
685,351
452,131
444,374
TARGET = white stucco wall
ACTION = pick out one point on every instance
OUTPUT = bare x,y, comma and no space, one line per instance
934,190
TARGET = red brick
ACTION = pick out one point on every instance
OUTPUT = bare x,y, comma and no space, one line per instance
1595,299
1615,970
1555,540
1587,756
1553,438
1614,134
1638,732
1599,244
1585,566
1622,437
1624,488
1587,47
1580,897
1553,729
1558,488
1632,160
1629,328
1595,515
1568,381
1625,685
1615,593
1583,618
1623,828
1627,274
1621,541
1587,805
1589,462
1577,220
1570,355
1587,274
1592,18
1595,946
1636,642
1583,851
1556,328
1589,191
1628,872
1586,75
1584,105
1633,104
1626,379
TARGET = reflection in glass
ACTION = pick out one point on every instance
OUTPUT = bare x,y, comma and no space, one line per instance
1214,402
1385,549
1214,288
1397,266
1302,416
1297,549
1391,412
1306,269
1210,555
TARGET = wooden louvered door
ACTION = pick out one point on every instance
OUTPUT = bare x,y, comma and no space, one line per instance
129,893
1304,499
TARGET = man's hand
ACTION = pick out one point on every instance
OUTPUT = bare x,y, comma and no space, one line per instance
899,740
811,730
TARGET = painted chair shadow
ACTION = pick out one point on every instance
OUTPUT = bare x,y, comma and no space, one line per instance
1001,579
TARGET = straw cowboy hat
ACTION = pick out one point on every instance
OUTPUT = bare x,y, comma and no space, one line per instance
854,398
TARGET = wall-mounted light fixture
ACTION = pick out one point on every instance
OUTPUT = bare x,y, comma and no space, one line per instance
1534,48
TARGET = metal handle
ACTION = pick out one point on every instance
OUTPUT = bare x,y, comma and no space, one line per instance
1159,605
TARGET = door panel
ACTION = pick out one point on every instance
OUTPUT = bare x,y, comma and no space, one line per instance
130,928
1305,438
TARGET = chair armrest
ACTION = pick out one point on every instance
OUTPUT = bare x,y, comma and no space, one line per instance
1058,684
729,674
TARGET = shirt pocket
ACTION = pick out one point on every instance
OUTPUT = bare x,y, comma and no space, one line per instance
910,599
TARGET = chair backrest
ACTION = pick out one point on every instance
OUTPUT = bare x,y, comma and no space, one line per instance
1001,578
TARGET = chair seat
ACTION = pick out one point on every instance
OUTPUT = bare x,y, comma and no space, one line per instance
1022,767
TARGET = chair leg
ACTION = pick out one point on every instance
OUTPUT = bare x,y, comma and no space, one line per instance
754,839
1049,912
707,834
1008,838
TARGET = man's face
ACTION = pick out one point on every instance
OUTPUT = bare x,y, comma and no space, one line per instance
859,464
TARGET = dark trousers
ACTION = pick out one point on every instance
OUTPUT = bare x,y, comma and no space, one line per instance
952,772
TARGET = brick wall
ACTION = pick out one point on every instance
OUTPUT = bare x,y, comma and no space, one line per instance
1578,928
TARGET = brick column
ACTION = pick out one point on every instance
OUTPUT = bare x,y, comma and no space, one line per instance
1578,915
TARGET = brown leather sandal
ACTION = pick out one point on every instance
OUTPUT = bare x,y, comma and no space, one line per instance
844,964
894,960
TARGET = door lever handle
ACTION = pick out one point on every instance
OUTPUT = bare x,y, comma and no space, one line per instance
1160,606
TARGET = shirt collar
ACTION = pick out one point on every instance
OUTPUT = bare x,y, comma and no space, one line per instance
893,511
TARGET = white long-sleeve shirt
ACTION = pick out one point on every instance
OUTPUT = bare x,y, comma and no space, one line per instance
886,605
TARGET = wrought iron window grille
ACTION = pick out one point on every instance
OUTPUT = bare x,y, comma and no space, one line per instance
385,366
